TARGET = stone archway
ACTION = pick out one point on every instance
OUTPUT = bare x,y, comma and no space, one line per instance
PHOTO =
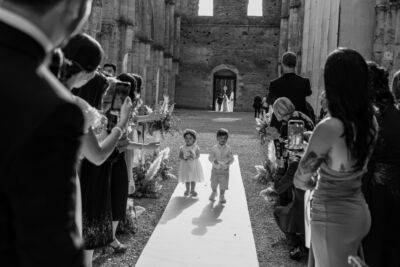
232,74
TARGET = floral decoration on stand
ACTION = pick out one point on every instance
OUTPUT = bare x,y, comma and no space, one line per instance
265,131
167,122
153,169
267,172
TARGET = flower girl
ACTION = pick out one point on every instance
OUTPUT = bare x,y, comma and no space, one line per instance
190,169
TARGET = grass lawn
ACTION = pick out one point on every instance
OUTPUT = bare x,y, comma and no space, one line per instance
271,247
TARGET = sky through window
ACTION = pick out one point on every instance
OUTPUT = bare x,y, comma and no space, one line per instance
255,8
206,8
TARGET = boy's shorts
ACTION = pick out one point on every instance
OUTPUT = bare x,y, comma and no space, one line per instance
221,178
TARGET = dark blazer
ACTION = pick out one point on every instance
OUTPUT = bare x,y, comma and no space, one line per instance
40,138
292,86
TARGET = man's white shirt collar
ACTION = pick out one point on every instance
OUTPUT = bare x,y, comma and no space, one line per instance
20,23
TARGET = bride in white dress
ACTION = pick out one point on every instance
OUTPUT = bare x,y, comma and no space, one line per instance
231,99
224,106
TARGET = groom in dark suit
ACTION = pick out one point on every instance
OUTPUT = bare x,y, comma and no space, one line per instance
40,136
290,85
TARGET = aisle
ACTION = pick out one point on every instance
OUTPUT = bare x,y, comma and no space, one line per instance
197,232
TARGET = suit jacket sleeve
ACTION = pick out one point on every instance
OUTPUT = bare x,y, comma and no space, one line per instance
272,94
47,185
307,87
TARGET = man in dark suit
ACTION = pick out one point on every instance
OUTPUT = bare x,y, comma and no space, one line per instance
290,85
40,136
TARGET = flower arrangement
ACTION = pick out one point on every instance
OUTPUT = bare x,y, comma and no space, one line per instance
266,172
265,131
165,169
150,172
167,122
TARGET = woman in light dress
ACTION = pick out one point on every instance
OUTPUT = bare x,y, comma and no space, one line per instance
338,153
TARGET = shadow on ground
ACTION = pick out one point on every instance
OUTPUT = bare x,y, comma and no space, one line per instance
209,217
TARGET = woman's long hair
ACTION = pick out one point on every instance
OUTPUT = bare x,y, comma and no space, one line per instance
346,86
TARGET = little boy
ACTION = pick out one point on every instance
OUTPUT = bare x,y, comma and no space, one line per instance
221,158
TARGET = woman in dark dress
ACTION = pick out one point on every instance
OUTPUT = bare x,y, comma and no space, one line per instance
381,185
82,56
119,175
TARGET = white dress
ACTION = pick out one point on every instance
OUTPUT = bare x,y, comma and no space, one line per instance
190,170
231,102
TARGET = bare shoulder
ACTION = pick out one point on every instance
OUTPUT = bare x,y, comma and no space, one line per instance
327,132
331,126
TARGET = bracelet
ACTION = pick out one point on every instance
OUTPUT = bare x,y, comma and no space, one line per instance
119,130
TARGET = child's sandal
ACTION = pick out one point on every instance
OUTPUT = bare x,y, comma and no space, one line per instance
193,194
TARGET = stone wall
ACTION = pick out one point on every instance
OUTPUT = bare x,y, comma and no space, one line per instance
386,45
247,46
140,36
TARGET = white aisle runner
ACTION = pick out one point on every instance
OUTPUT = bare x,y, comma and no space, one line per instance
195,232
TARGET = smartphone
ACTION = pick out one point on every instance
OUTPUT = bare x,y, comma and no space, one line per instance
295,135
122,91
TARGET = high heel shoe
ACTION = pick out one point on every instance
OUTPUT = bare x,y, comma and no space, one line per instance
119,248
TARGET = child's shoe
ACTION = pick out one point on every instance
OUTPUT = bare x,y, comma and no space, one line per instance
222,199
213,195
193,194
186,193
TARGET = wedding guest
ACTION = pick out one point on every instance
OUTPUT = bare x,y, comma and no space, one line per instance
120,173
190,169
83,55
221,158
381,185
93,90
338,153
265,106
289,211
396,87
110,70
257,106
284,110
40,139
290,85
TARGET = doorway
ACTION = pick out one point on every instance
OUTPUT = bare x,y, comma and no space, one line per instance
224,78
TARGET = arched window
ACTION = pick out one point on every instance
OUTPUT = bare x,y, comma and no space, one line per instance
206,7
255,8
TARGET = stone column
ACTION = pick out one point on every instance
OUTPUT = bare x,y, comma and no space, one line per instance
295,29
109,37
378,46
126,28
396,63
284,31
93,25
